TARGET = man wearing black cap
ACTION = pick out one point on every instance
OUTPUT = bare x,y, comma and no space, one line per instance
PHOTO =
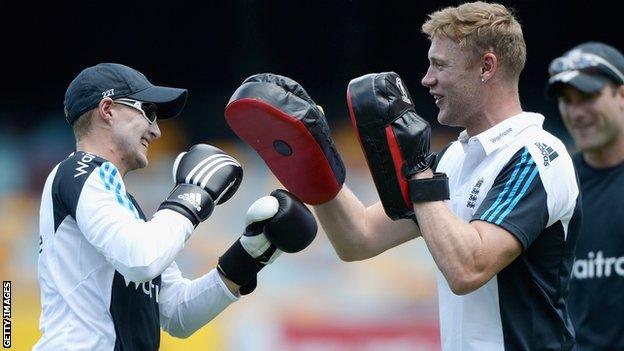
107,274
588,82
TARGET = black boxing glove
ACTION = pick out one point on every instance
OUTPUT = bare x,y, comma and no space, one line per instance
274,224
205,176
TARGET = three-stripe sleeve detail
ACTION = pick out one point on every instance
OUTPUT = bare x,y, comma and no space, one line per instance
109,176
515,188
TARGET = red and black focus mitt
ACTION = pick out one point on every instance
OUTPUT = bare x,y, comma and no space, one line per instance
395,141
276,117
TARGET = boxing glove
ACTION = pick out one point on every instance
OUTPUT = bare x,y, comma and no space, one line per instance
205,176
274,224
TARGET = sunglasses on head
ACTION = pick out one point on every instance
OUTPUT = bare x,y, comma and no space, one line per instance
148,109
585,62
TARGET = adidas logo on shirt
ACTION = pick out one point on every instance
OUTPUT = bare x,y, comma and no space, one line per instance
192,198
548,153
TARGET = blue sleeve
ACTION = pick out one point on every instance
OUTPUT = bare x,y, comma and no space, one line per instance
517,200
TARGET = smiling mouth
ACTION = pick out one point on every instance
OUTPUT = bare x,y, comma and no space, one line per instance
437,98
582,127
145,143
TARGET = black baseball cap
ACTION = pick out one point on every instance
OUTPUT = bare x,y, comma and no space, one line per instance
118,81
587,67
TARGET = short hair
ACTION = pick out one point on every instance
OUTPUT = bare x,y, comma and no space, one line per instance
614,87
484,28
82,125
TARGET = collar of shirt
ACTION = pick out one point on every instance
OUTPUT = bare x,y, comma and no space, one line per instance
503,133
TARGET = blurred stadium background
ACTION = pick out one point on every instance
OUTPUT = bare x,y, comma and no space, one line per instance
308,301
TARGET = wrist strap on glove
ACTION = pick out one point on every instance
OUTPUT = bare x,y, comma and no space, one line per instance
432,189
191,201
238,266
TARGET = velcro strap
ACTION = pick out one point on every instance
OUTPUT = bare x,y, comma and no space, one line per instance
237,265
191,201
432,189
249,287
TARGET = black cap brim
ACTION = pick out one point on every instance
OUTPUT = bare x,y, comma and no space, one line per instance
586,83
170,101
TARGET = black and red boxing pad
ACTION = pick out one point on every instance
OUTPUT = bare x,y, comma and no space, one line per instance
277,118
394,138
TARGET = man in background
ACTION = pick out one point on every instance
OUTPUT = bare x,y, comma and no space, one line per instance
588,82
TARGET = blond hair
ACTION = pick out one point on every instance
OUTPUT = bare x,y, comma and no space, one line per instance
484,28
82,125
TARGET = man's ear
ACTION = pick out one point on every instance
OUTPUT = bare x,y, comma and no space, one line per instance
105,110
619,92
489,66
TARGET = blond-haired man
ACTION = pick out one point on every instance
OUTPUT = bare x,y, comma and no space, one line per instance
504,239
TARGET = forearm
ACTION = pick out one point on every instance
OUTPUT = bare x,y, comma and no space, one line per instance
344,221
453,243
141,250
359,232
194,304
232,287
469,254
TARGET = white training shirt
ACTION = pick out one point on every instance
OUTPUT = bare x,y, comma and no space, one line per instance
107,276
521,178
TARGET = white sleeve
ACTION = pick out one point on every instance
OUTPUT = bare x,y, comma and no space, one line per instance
139,250
187,305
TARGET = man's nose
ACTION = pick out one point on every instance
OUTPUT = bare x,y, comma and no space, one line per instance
155,131
428,80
